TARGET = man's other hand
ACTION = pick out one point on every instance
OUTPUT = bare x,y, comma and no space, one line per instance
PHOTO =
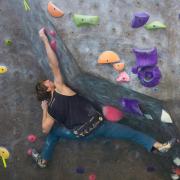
42,35
44,105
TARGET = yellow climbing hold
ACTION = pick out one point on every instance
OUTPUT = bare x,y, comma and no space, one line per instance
4,154
3,69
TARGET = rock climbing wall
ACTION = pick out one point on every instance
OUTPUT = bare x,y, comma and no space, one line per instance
78,49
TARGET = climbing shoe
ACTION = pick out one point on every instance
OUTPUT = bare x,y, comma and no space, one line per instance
37,157
167,146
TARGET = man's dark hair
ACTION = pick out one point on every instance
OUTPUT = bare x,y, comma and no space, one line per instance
41,91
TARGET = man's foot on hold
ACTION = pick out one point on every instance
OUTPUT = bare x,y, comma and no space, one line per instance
37,157
167,146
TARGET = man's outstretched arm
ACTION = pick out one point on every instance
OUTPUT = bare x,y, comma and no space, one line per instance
52,60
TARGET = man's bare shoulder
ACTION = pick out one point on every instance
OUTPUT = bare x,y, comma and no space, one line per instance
65,90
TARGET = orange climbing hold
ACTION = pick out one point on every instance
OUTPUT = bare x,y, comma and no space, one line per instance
108,57
118,66
54,10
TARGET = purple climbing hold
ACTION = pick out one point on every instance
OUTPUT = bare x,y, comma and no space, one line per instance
139,19
144,57
80,170
131,106
151,169
149,76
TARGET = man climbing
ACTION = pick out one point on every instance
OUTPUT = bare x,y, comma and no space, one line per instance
68,115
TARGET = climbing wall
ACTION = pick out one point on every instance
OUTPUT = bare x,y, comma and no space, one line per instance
78,49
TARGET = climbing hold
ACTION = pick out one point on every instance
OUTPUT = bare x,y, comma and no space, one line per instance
146,69
108,57
52,33
4,154
8,42
131,106
155,25
31,138
149,76
29,152
174,176
112,114
123,77
151,169
92,177
54,10
80,170
148,116
177,171
176,161
84,20
139,19
144,57
3,69
26,5
165,117
53,45
118,66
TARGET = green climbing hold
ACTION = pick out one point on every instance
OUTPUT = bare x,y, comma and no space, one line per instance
7,42
84,20
155,25
26,5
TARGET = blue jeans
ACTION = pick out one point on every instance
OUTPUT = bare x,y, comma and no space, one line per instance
105,130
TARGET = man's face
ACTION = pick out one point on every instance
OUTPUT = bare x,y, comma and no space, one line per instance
49,84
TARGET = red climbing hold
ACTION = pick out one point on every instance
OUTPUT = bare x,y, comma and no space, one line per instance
52,33
112,114
31,138
177,171
53,45
92,177
29,152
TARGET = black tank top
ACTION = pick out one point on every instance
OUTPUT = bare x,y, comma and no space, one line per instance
70,110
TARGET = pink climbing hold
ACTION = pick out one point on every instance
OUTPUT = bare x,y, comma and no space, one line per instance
92,177
112,114
123,77
53,45
31,138
29,152
52,33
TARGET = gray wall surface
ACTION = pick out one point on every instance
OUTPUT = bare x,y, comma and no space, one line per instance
78,51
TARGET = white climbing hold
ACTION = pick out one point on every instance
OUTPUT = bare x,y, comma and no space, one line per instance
148,116
176,161
165,117
174,176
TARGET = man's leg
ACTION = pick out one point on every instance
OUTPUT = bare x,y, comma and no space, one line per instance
119,131
52,139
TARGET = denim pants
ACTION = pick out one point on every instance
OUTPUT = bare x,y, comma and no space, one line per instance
105,130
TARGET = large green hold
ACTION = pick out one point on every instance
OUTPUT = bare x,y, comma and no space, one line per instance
84,20
155,25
